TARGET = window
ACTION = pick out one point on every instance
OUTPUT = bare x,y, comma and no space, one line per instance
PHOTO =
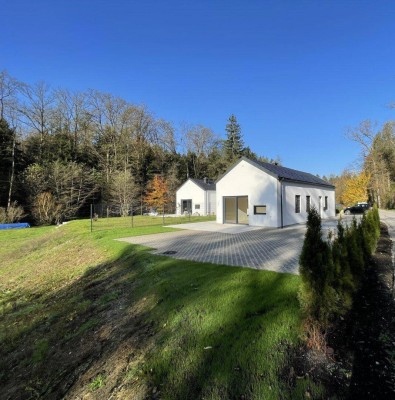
197,206
307,203
259,210
326,203
297,203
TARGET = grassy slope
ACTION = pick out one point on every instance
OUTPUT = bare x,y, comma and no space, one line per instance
139,323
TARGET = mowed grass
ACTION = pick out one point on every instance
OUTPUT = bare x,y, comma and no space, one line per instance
139,221
206,331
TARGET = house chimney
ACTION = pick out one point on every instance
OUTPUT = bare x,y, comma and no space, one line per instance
205,180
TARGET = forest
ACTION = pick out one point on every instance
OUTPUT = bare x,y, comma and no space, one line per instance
61,151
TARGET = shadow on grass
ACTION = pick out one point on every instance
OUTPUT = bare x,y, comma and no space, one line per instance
153,326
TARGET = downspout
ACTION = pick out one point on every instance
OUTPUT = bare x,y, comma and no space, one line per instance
281,202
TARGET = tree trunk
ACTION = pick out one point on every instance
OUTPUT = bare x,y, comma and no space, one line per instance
12,171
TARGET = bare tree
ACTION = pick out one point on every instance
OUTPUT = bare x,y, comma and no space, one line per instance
198,140
9,89
365,135
37,111
123,192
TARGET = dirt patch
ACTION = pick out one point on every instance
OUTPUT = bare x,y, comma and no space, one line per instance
373,340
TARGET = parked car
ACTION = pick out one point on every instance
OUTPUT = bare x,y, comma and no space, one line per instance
358,208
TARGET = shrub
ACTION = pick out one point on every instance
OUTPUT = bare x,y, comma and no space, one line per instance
332,272
13,213
316,269
45,210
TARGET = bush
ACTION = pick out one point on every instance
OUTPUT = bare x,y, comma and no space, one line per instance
332,272
316,269
13,213
45,210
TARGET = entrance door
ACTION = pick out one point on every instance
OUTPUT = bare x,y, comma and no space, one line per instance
186,206
235,210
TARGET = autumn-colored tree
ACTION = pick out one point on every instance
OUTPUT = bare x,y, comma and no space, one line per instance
356,189
157,194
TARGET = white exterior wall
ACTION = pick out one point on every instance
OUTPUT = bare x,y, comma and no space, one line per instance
261,188
290,190
211,202
190,191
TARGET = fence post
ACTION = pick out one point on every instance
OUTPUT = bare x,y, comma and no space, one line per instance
91,217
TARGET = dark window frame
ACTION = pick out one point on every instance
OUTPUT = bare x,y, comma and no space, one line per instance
297,203
259,213
308,203
325,203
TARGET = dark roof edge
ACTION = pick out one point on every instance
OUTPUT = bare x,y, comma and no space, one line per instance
257,165
328,185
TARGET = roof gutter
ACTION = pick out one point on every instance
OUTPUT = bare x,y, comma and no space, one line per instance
281,201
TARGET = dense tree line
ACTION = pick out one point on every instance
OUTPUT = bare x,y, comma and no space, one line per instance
60,150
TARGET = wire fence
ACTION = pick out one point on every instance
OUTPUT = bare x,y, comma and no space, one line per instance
141,221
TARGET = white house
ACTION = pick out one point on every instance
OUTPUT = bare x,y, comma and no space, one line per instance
196,196
269,195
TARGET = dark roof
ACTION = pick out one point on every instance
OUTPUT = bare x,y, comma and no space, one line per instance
291,174
205,185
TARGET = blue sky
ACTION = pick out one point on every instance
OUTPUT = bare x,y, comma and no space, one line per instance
295,73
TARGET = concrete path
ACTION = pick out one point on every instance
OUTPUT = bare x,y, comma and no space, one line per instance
212,226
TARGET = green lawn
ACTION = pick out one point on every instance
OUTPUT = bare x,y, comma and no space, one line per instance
83,315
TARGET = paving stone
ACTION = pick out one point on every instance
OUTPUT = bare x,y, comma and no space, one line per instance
274,250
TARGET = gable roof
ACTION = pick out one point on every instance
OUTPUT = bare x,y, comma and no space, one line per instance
283,173
205,185
208,185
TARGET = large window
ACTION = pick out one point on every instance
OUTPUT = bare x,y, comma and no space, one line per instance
308,203
297,203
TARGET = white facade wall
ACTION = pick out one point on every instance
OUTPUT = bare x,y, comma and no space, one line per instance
290,190
211,202
261,189
203,198
264,189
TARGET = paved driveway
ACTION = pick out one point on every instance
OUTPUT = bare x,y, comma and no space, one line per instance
388,217
271,249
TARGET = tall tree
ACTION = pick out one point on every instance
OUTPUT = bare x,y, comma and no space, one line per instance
157,195
9,89
233,145
122,192
11,163
37,115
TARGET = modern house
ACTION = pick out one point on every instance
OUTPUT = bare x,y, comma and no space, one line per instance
196,196
269,195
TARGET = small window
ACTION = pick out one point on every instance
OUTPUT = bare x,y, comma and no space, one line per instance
197,206
259,210
297,204
326,203
307,203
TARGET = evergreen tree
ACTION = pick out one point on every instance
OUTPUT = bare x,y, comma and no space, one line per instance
233,145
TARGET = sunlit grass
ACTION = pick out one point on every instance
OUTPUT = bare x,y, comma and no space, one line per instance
219,332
